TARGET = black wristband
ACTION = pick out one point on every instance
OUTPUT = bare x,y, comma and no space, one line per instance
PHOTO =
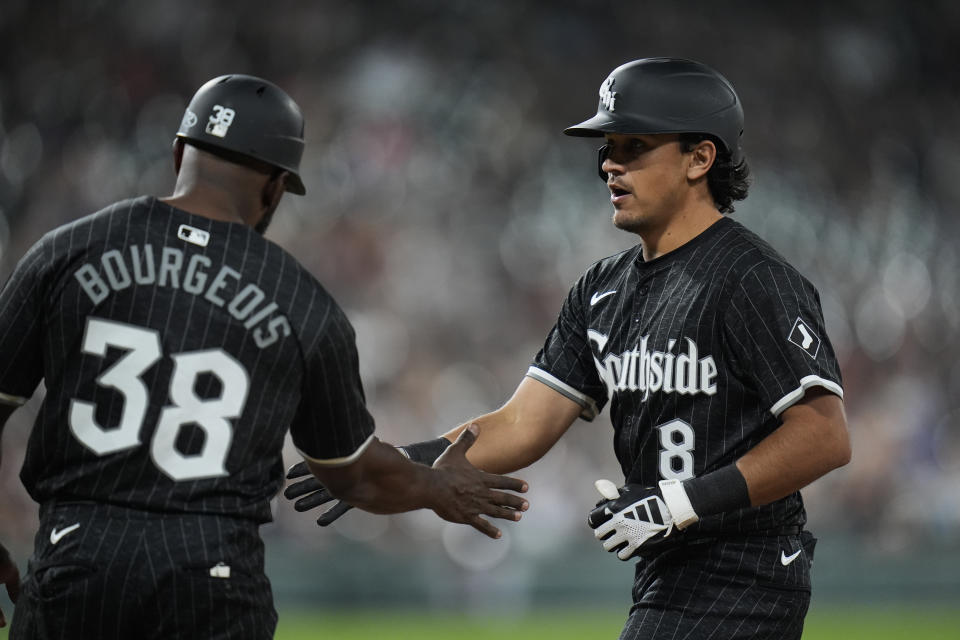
718,491
426,452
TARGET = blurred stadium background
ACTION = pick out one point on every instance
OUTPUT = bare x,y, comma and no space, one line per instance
448,214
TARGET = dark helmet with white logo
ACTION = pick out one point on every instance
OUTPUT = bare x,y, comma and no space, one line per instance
241,116
667,95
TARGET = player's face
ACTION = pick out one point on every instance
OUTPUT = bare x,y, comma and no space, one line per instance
647,178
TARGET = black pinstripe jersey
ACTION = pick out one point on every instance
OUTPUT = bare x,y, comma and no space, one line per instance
176,351
698,352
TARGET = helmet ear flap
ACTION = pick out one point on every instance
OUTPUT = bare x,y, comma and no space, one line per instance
602,154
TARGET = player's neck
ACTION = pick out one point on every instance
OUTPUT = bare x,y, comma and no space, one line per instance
679,229
211,203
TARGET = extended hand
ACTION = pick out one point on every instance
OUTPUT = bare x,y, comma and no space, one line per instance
629,518
463,493
314,494
10,577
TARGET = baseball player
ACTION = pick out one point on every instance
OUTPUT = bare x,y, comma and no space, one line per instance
724,391
178,346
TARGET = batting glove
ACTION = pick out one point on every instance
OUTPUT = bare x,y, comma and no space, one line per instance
635,516
313,494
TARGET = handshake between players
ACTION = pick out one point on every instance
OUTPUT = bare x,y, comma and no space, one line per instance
625,520
385,480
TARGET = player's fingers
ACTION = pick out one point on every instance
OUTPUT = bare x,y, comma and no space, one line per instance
484,527
599,516
503,513
614,541
494,481
607,489
333,513
302,488
465,440
313,501
627,552
508,500
298,470
604,530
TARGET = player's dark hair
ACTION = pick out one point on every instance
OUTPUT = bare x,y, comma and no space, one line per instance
727,181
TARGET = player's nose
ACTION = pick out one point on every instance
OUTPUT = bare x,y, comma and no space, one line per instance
611,166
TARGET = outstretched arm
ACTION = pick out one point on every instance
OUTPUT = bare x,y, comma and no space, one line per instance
382,480
513,437
521,431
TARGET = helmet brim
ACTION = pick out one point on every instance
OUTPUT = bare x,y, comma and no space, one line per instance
602,123
295,186
593,127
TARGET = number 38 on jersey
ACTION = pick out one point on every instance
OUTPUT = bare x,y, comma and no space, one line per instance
212,416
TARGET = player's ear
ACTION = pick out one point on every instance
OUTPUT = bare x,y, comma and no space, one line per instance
177,155
273,190
701,158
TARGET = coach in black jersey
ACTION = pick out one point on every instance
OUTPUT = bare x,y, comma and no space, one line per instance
724,390
178,346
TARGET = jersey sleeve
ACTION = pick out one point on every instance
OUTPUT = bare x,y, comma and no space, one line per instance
566,361
333,426
21,328
775,330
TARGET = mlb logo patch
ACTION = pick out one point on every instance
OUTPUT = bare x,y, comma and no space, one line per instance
193,235
804,337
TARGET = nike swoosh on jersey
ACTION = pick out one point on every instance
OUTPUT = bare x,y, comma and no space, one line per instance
56,536
597,297
787,559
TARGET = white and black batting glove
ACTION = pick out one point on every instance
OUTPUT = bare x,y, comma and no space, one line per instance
635,516
310,493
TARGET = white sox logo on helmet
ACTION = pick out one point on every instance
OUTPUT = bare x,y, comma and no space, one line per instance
608,97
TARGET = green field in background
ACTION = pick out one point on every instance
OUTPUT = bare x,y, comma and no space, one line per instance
847,623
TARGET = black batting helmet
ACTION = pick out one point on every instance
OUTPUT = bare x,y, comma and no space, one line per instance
667,95
248,116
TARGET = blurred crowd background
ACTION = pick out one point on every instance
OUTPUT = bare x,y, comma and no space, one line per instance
449,215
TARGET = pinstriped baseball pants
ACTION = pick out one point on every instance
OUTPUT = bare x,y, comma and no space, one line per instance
727,588
108,572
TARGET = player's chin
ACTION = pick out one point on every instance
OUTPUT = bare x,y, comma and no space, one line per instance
627,221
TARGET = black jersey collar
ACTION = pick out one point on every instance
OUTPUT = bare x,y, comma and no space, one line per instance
683,250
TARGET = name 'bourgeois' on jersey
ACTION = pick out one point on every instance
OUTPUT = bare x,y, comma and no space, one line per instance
699,352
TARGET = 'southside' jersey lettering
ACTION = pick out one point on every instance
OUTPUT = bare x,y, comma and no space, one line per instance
650,371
